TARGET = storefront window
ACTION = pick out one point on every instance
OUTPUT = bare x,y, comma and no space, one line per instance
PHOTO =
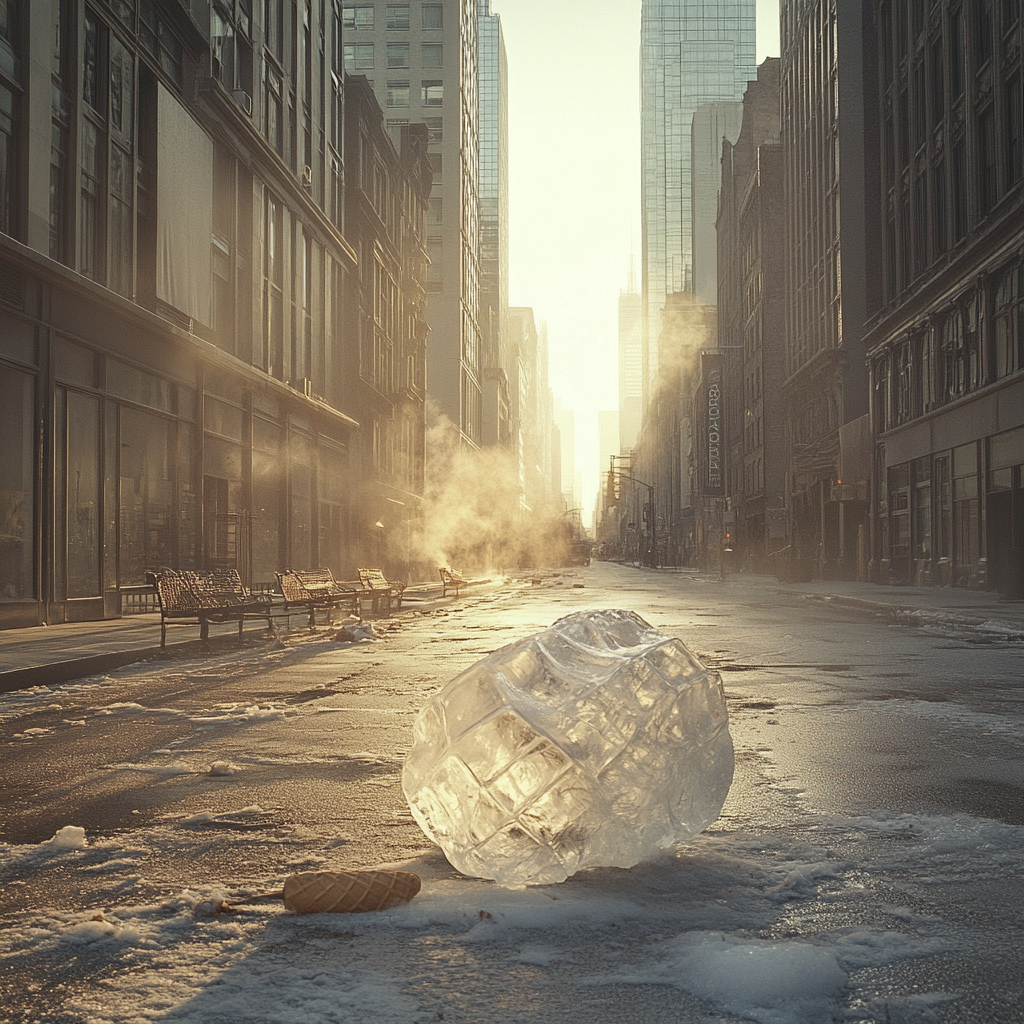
83,495
267,487
922,509
148,517
17,491
332,523
899,521
965,511
300,451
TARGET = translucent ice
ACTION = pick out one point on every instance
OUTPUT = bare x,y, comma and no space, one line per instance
597,742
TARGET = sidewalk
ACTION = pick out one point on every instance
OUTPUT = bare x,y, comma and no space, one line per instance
47,655
955,604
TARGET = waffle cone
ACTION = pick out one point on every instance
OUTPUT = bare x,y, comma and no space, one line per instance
348,892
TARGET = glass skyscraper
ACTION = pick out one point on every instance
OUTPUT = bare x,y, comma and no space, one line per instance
493,190
693,52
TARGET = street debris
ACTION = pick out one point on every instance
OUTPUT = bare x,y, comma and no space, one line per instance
356,632
595,743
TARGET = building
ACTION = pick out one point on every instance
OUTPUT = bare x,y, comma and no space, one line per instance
946,349
385,338
493,134
691,53
751,326
565,483
631,387
422,59
607,446
662,461
712,125
172,278
829,139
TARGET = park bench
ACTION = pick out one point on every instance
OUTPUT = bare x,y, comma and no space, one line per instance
207,595
381,589
451,579
312,589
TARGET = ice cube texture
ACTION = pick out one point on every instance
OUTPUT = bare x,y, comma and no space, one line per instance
594,743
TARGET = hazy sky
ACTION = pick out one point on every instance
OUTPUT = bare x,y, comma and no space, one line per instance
574,168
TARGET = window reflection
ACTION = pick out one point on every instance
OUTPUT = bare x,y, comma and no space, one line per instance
147,495
17,504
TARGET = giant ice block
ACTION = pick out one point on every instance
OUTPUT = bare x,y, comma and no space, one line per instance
597,742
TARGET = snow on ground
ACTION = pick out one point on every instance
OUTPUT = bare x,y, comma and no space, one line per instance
838,921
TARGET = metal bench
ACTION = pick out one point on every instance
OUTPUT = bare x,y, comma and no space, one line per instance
316,588
207,595
451,579
381,589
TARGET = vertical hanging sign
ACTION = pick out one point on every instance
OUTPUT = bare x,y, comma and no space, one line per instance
715,446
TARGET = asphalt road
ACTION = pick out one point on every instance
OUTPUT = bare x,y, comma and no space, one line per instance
853,736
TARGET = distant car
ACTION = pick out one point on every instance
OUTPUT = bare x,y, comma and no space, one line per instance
580,554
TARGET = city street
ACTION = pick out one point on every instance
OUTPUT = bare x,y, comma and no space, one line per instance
868,865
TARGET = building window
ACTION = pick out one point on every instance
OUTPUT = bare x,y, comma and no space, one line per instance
924,361
8,161
359,18
358,56
435,211
435,130
987,159
90,224
158,39
398,94
398,55
1013,131
398,17
273,127
432,94
433,16
960,353
1009,341
901,385
433,55
273,281
938,208
959,189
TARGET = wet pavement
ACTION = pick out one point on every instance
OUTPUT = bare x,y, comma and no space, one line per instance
874,820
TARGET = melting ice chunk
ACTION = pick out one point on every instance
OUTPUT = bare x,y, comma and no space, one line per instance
597,742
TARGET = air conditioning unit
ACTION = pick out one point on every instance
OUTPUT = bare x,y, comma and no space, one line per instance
243,99
307,176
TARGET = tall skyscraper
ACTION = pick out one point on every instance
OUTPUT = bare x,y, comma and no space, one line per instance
630,364
713,124
692,52
422,61
493,134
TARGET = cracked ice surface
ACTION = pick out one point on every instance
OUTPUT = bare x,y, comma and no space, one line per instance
594,743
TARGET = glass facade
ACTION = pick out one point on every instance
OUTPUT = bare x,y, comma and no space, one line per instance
692,53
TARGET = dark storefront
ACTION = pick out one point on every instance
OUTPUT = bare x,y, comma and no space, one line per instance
110,468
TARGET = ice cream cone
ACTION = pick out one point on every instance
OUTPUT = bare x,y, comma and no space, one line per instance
348,892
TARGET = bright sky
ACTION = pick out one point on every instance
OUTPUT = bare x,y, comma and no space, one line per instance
574,165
